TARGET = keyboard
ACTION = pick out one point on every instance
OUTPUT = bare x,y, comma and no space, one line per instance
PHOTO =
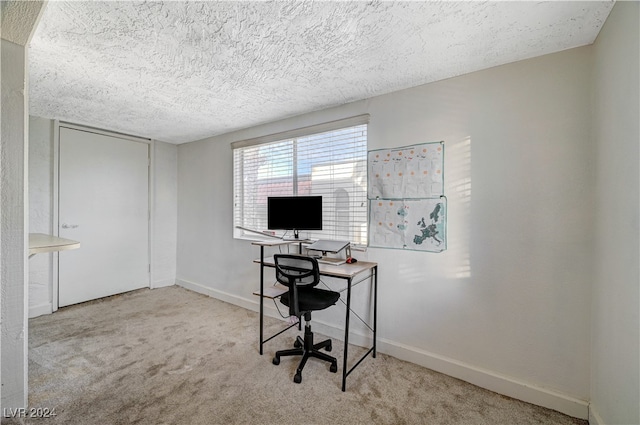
332,261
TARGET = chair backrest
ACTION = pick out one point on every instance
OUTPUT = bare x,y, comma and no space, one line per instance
297,269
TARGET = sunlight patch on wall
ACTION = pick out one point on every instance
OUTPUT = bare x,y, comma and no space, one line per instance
459,195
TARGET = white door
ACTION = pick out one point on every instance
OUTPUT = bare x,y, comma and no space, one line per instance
104,204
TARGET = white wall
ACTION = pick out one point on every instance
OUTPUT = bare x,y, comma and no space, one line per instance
18,21
40,212
615,346
41,184
165,214
13,226
507,306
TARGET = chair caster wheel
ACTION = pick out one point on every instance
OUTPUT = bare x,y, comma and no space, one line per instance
297,378
276,361
333,368
297,344
329,347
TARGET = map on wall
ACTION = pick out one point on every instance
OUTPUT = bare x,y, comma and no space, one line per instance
407,206
408,224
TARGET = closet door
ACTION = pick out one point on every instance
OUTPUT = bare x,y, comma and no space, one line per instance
104,204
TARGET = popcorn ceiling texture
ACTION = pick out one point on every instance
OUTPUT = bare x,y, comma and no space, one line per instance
182,71
18,19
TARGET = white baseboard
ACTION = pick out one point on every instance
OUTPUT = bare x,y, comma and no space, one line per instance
47,308
270,310
594,417
163,283
490,380
220,295
483,378
40,310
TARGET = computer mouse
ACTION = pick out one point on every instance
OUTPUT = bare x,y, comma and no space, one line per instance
351,260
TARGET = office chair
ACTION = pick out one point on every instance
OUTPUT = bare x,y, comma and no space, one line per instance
301,274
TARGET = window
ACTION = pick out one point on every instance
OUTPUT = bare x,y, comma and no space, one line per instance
328,160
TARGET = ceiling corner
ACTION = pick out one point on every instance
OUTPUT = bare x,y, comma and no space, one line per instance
19,19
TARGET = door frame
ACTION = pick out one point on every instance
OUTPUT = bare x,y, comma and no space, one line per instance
55,222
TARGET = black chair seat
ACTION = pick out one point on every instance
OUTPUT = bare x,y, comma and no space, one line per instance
312,299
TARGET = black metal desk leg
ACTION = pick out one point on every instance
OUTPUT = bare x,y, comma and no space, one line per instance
261,295
346,336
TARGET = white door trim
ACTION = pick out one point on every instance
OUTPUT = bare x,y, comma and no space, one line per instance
55,223
104,132
56,200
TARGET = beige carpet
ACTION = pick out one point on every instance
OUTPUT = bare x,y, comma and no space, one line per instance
171,356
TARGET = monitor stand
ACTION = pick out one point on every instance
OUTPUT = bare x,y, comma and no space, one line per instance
332,261
296,236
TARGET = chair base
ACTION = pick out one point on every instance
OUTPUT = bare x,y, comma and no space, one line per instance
306,348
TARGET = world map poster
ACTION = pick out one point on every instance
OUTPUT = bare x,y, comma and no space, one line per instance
407,206
408,224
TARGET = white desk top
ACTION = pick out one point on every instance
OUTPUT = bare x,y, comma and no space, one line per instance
39,242
343,270
276,242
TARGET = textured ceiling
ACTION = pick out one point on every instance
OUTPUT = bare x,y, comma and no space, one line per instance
18,19
180,71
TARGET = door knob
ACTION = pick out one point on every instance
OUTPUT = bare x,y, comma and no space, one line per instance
69,226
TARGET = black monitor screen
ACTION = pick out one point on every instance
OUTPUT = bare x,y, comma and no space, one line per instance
294,213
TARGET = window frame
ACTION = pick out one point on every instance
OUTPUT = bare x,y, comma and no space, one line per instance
292,136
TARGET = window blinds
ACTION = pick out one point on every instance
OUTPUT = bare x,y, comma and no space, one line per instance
330,163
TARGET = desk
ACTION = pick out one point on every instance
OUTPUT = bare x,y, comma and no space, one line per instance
344,271
39,242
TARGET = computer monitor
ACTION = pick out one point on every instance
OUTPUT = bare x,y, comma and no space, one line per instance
294,213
